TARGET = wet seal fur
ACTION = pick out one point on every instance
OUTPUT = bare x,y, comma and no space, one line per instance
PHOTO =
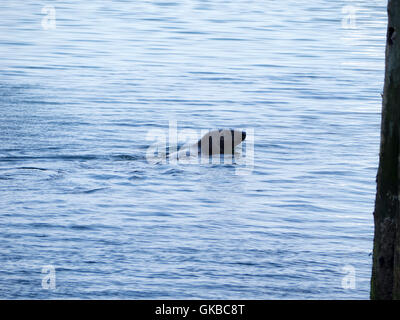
220,141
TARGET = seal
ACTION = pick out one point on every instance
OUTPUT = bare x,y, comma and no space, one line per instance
220,141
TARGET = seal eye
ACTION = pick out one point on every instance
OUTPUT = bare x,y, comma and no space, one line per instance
243,135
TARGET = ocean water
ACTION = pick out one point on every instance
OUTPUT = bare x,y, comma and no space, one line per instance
79,99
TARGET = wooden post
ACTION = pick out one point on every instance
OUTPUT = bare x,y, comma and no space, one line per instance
385,281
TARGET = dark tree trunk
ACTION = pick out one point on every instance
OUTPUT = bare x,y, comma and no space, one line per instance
385,281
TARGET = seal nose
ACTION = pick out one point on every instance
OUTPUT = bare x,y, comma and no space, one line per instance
243,135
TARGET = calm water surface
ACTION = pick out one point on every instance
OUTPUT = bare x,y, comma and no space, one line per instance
77,103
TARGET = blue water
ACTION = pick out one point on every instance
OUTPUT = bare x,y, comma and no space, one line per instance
78,193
